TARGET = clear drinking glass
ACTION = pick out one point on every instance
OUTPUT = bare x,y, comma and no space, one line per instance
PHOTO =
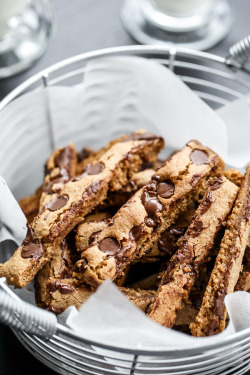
25,28
198,24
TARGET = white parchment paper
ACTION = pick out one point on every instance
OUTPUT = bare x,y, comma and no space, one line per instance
118,95
9,209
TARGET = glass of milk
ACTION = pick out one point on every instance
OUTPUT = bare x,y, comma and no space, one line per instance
178,15
25,28
196,24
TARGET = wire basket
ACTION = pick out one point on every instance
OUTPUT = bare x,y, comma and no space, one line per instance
217,81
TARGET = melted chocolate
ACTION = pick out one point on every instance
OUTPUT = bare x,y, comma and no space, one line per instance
48,188
165,189
168,239
124,254
198,157
57,203
136,233
156,177
194,179
62,161
31,248
219,305
109,246
151,203
64,158
65,288
205,205
94,169
140,137
213,326
93,188
55,310
197,227
62,287
216,183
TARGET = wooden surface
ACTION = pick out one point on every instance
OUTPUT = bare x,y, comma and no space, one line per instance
81,26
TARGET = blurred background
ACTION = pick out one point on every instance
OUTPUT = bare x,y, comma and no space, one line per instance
65,28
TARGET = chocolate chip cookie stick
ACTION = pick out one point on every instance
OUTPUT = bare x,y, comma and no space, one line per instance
65,204
194,250
243,283
57,295
212,315
140,222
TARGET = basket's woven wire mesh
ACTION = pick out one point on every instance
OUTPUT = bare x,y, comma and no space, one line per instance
212,79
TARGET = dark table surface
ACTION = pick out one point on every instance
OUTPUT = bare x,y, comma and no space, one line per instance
83,26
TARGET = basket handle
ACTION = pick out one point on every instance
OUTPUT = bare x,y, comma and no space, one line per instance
239,53
26,317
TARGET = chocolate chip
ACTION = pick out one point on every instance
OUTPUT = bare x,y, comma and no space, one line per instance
204,206
55,310
150,222
166,243
216,183
168,239
151,186
177,231
93,188
62,287
152,205
147,195
198,157
197,227
136,232
31,248
194,179
64,158
64,271
48,188
57,203
94,169
140,137
165,189
156,177
219,304
81,265
65,288
52,287
109,246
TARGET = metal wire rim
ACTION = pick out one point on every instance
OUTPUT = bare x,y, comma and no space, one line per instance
43,76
